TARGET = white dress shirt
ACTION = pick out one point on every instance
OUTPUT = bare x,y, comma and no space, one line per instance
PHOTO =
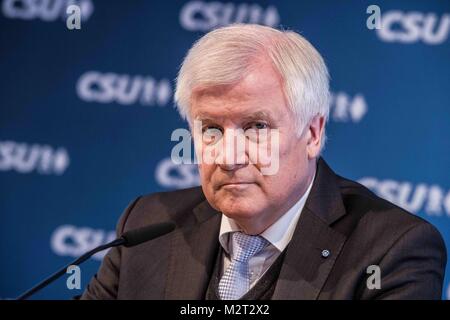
278,234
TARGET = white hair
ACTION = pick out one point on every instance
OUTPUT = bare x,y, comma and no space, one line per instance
224,55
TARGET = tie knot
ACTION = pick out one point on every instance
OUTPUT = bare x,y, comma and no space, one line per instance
246,246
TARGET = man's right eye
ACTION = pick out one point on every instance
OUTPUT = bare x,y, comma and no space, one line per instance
213,130
211,134
210,128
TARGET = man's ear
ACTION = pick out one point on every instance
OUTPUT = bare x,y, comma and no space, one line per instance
314,136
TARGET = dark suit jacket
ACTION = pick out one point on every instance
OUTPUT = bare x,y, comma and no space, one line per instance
358,228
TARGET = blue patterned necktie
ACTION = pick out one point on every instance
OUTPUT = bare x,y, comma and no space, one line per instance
235,282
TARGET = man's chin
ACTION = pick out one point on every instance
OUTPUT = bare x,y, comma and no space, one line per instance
241,212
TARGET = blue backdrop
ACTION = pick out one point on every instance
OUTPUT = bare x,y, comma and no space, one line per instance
86,115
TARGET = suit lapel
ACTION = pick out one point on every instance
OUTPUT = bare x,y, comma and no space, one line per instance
192,255
306,265
304,269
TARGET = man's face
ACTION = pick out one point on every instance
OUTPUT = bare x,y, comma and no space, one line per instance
238,187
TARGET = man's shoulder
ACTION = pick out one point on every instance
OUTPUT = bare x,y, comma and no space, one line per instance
377,215
380,233
163,206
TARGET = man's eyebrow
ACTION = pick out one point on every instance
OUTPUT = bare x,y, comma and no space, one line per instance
204,117
258,115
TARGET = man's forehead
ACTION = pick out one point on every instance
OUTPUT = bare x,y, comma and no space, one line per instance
258,84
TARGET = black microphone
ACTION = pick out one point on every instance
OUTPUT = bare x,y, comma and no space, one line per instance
128,239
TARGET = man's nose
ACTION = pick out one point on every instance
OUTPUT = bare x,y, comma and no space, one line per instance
232,153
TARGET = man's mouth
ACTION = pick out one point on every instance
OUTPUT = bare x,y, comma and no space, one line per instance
238,184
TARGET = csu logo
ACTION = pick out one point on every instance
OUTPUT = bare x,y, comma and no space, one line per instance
72,241
178,176
94,86
25,158
44,10
344,108
411,27
205,16
432,199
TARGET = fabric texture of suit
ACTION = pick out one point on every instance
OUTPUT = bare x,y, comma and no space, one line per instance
358,229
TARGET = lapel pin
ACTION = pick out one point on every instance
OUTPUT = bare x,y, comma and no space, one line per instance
326,253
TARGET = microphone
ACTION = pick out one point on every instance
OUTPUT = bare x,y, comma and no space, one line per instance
128,239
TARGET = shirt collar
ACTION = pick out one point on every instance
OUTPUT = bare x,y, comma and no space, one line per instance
278,234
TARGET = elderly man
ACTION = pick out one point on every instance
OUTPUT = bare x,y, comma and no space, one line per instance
299,232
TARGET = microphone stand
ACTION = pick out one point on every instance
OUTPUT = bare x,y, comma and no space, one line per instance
63,270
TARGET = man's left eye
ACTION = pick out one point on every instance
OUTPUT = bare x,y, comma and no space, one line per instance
258,126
